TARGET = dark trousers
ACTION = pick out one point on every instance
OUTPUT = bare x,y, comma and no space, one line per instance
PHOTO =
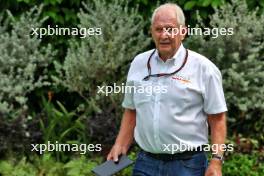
148,166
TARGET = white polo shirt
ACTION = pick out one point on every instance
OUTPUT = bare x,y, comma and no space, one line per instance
177,115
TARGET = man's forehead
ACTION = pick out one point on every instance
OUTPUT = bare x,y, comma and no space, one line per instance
165,22
165,17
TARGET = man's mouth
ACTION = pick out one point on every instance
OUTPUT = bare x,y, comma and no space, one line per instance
165,43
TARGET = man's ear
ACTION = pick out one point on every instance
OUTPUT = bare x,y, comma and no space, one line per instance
149,31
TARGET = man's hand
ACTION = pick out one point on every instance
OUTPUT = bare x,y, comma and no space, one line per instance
116,151
214,168
125,135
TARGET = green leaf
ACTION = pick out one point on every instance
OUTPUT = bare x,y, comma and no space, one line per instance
261,2
6,167
26,1
216,3
189,5
206,3
65,133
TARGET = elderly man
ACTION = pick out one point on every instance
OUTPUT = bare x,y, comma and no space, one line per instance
163,121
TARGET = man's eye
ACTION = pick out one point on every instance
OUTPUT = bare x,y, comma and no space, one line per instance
168,29
159,29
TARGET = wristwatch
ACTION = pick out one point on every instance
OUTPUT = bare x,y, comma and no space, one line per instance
218,157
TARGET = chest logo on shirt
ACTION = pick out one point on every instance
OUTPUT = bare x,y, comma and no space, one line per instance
181,79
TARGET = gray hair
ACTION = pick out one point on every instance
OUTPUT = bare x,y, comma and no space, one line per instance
179,13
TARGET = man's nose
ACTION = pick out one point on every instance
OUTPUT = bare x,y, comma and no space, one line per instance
165,34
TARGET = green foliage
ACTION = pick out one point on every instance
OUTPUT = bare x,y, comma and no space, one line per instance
23,61
59,125
45,165
22,168
66,14
189,5
243,165
17,134
80,166
235,164
101,60
240,59
206,7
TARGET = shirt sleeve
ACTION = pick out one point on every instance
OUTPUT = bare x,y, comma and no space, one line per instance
128,101
214,99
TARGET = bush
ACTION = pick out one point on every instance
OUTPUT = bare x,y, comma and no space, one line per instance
17,134
22,168
240,59
59,125
23,61
46,166
102,60
243,165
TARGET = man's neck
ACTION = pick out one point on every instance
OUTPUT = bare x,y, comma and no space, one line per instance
167,56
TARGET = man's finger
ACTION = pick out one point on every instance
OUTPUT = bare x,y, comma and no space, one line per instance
124,151
116,155
109,156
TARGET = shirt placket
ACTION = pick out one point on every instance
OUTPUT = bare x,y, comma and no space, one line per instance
157,104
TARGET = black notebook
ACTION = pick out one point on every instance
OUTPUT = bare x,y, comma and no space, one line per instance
109,168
